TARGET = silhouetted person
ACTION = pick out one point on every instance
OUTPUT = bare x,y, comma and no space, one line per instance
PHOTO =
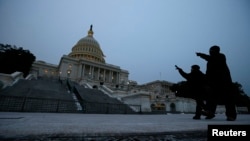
220,82
195,80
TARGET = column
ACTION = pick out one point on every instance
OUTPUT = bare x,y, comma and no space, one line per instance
118,78
98,74
92,72
83,71
110,76
104,75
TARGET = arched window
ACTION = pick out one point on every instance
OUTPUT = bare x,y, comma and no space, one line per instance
172,107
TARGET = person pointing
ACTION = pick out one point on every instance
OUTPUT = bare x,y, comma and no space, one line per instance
219,80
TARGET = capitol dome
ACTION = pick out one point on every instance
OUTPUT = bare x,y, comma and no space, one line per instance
88,48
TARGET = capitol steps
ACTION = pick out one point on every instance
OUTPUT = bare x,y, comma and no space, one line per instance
95,101
40,95
53,95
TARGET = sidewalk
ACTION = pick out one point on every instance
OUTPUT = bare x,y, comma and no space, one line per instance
15,125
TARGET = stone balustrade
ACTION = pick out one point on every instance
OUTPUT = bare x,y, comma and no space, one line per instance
10,79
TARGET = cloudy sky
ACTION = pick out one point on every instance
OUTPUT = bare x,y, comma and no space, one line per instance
145,37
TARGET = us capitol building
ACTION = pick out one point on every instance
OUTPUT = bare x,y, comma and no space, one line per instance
86,65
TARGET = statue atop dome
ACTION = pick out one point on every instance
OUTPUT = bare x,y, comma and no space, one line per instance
90,33
91,26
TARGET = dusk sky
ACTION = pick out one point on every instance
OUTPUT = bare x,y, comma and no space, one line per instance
145,37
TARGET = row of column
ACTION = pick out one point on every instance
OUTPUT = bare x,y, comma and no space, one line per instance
98,74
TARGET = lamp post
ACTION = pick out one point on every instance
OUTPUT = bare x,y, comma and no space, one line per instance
89,77
128,85
68,74
60,76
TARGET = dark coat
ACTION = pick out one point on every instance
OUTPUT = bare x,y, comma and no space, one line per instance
195,81
218,78
217,72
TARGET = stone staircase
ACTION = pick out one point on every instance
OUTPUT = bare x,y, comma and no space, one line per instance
41,95
95,101
53,95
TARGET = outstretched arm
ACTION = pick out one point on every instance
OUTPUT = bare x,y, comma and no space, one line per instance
203,56
182,73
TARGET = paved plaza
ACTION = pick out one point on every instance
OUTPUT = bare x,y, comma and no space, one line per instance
68,126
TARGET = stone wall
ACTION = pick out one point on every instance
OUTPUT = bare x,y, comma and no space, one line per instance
180,105
138,99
